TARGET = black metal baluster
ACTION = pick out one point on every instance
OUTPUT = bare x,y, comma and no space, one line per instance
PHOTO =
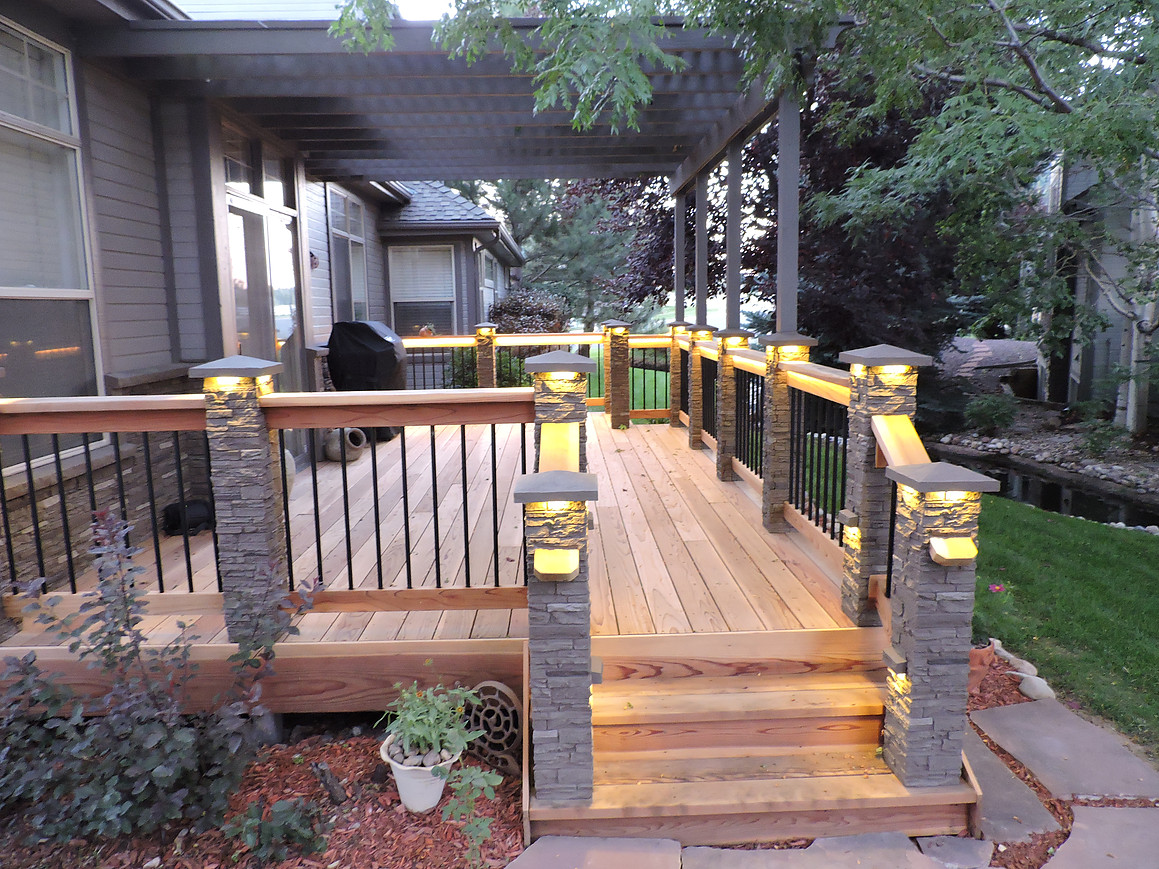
834,473
153,509
435,511
346,510
317,514
466,518
120,466
495,502
89,473
7,525
32,505
377,512
795,447
286,507
182,508
213,512
63,513
817,484
405,505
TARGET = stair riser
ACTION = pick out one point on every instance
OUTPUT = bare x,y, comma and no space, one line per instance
617,670
754,733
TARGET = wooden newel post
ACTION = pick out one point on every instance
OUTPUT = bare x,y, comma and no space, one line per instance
617,373
678,329
558,596
730,340
931,609
485,355
247,486
883,382
696,385
779,347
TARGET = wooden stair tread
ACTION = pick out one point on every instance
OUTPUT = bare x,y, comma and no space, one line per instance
737,705
652,799
675,765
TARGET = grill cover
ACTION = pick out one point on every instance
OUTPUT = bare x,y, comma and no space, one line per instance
365,354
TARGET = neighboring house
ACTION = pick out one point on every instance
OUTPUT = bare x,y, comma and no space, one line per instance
1094,365
447,259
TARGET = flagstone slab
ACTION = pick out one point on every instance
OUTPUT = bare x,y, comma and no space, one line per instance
1070,756
1010,811
957,853
870,851
1109,838
571,852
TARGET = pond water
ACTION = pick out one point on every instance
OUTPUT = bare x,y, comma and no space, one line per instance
1065,498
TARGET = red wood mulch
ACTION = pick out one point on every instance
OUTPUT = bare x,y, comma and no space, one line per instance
371,830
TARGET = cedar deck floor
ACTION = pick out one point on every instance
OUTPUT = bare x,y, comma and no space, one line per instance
673,549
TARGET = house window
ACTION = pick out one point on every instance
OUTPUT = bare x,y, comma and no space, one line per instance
348,252
46,296
422,289
489,288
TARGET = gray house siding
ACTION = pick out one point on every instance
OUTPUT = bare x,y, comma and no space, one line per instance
321,310
375,267
126,224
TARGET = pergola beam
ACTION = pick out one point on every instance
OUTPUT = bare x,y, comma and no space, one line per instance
748,114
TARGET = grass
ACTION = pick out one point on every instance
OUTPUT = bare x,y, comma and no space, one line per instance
1081,601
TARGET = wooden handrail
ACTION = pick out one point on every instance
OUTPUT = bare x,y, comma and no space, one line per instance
752,361
535,339
898,442
102,413
640,342
289,410
684,342
708,349
831,384
439,342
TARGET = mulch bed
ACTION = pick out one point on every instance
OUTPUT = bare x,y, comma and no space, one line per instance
371,830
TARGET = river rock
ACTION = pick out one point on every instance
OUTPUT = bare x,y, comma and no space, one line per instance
445,754
431,758
1035,687
412,760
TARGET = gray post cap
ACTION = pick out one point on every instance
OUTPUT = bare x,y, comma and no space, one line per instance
485,326
615,324
235,366
787,339
679,323
941,477
733,333
560,360
555,486
701,327
885,354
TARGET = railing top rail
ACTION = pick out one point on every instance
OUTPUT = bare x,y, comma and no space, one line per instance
708,349
831,384
684,342
752,361
647,341
102,413
399,408
438,343
898,442
533,339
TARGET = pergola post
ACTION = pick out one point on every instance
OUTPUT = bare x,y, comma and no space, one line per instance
247,489
679,267
931,606
558,594
788,210
883,382
732,235
485,355
701,248
779,347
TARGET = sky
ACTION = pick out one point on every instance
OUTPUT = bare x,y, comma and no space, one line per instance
423,10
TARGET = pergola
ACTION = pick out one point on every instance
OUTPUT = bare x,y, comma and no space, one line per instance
414,113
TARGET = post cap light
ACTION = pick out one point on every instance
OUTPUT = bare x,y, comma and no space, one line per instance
617,327
560,361
883,355
941,477
733,337
953,551
701,332
679,325
485,328
235,366
555,486
787,339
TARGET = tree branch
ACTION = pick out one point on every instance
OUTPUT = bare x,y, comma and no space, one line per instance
1081,42
1029,62
1002,83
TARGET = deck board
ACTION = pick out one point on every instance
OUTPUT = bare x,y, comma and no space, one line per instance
673,550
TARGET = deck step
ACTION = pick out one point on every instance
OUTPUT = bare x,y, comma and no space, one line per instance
625,768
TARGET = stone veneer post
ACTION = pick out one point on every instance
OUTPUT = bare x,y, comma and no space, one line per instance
558,594
696,386
932,605
485,356
617,373
247,487
729,340
779,347
675,372
883,382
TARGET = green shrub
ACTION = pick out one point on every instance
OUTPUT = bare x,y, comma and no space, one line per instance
142,763
529,311
467,784
991,413
288,825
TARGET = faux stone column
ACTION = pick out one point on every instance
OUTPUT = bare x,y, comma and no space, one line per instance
932,606
779,347
730,340
246,488
696,386
617,373
883,381
678,328
485,356
558,594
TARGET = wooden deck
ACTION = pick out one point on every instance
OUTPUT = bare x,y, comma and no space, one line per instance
673,550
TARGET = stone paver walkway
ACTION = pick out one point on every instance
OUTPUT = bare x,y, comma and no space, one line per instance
1110,839
1010,811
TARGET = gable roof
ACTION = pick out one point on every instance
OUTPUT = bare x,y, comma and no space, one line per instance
436,209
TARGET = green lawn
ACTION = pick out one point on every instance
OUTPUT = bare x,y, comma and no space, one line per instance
1081,601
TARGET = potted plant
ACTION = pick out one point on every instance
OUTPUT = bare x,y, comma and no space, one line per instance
426,734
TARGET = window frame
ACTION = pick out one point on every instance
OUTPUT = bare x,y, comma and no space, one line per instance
351,240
